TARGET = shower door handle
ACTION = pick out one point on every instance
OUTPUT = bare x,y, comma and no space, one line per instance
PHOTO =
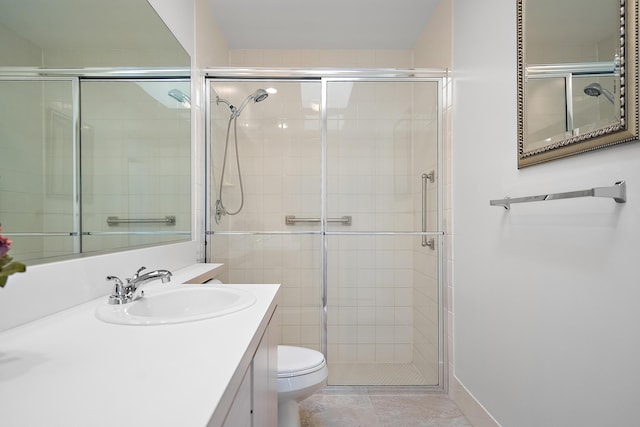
426,178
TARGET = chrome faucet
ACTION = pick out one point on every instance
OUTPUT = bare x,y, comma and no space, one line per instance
132,290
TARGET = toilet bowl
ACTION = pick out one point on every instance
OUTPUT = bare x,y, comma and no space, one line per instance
301,372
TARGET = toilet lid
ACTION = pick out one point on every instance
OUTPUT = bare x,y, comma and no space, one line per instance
293,361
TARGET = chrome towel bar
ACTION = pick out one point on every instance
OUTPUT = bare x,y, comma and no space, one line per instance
617,192
169,220
292,220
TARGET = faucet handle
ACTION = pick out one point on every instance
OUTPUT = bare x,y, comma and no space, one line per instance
116,279
119,291
135,276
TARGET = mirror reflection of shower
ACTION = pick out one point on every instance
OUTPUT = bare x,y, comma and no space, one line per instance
181,97
257,96
596,89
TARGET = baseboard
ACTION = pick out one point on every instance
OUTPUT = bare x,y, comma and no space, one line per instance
477,415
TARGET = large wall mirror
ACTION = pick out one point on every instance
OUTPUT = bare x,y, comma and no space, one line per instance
577,77
95,128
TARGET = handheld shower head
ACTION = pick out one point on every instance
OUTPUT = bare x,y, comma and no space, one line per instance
260,95
180,96
595,89
257,96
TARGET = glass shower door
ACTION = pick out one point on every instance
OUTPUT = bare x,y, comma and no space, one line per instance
38,157
265,166
330,188
136,162
382,232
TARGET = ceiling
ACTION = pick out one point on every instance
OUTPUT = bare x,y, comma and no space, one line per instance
326,24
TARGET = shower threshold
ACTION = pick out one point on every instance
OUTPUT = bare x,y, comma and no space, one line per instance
374,374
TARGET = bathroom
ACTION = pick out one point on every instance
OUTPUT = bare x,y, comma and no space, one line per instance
542,306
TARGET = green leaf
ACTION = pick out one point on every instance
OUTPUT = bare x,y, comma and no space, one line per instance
14,267
4,260
7,268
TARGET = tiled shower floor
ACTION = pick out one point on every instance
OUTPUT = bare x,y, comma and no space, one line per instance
360,407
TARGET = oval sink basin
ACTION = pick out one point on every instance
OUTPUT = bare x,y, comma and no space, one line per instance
183,303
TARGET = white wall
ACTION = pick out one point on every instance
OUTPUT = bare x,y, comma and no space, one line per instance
179,18
211,47
546,295
433,49
14,49
338,58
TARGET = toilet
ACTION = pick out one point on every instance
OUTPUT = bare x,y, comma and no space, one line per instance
301,372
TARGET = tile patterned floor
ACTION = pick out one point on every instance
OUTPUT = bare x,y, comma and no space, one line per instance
362,408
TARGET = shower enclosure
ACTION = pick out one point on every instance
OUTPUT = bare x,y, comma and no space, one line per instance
332,188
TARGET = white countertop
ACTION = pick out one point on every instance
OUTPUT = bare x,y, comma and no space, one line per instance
71,369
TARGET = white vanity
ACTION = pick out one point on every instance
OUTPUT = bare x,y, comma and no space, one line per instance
72,369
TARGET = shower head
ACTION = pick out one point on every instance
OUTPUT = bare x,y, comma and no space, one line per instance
257,96
179,96
595,89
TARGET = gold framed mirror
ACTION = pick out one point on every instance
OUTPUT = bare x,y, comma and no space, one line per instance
577,77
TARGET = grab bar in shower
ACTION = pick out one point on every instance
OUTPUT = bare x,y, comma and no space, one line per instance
168,220
426,178
617,192
292,220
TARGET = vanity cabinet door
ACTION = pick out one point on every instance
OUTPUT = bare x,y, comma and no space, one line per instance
239,414
256,401
265,380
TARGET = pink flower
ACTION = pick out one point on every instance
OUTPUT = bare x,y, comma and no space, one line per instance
5,245
7,265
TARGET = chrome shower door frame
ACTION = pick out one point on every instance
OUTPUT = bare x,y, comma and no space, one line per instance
326,77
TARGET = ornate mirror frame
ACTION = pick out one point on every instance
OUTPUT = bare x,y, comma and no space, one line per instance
625,130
